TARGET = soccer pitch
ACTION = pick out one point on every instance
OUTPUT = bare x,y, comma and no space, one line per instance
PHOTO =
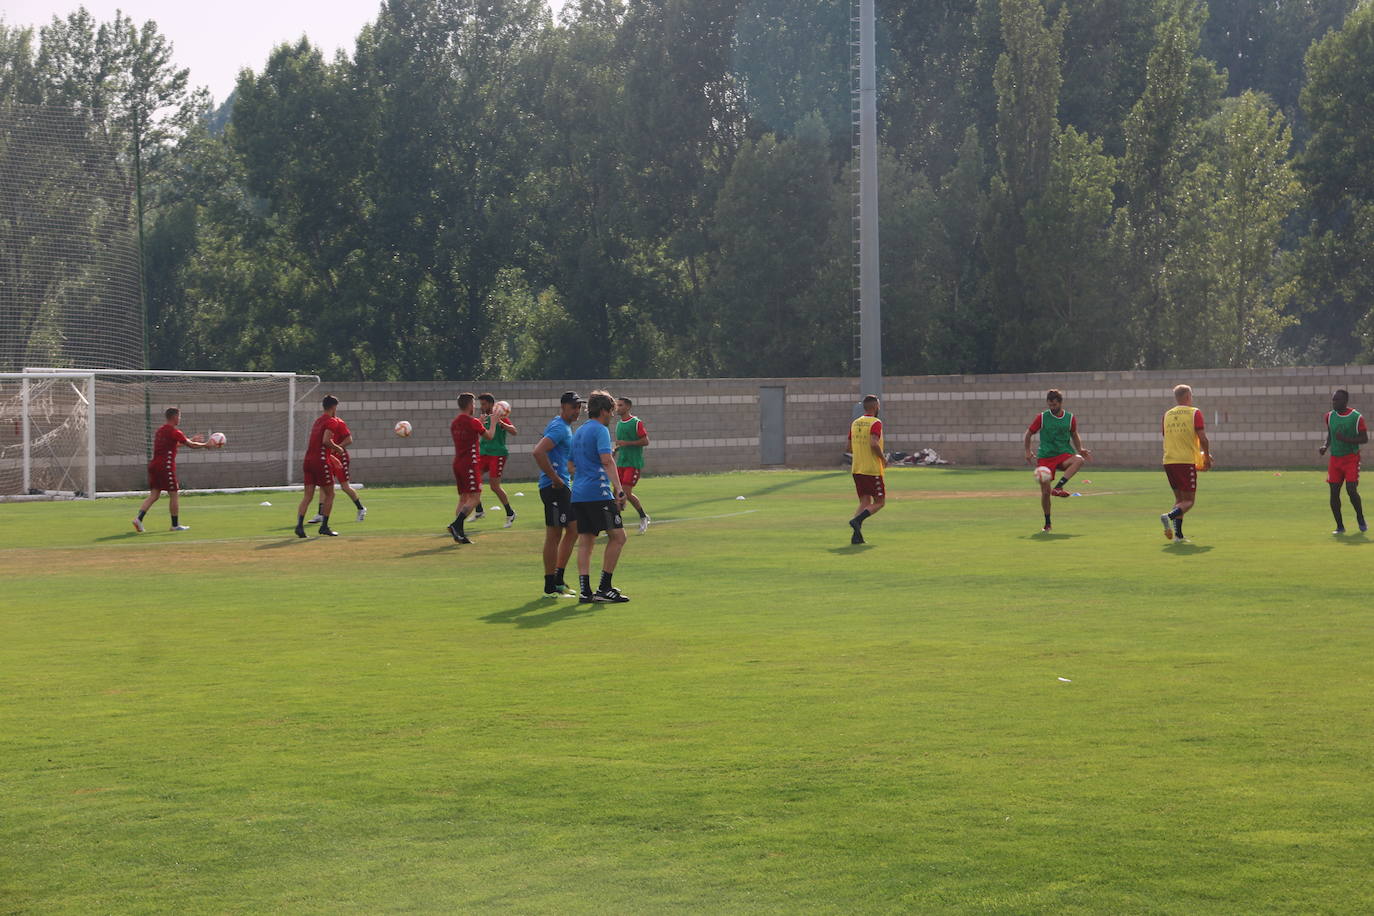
962,715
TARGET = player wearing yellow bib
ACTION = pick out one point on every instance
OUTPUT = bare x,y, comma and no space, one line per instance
1345,433
866,447
1186,451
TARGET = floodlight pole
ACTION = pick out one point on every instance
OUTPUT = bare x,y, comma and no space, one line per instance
870,306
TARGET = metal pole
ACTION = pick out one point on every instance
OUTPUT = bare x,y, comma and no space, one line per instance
870,305
290,428
25,432
90,437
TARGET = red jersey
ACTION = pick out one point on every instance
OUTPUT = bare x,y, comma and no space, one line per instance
315,448
341,431
467,433
165,442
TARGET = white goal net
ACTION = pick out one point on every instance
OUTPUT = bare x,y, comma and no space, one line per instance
82,432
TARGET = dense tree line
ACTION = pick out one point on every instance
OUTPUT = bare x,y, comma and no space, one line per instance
663,187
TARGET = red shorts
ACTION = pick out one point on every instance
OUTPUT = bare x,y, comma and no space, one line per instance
1182,477
628,476
1343,468
494,466
869,485
337,467
1054,464
467,476
316,473
162,477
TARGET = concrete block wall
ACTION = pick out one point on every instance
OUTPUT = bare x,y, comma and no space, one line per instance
1255,417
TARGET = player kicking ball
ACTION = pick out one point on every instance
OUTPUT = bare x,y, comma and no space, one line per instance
1186,451
1345,433
1060,449
162,469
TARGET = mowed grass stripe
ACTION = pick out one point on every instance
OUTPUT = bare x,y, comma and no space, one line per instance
777,722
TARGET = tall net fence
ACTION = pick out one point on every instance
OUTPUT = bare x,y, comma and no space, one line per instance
69,270
91,433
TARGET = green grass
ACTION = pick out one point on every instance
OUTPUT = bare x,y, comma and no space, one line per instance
229,720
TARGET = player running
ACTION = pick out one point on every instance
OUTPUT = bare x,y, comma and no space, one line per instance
630,439
595,506
162,468
1345,433
868,464
560,529
1060,448
321,465
492,455
343,437
1186,451
467,431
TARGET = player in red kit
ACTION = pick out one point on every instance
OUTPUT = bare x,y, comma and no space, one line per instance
467,432
162,469
343,436
321,465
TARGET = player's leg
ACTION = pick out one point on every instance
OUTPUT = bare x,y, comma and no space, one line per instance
1069,467
615,543
154,491
327,501
468,497
1352,489
174,508
1336,507
1184,499
1045,489
565,549
495,477
585,543
305,505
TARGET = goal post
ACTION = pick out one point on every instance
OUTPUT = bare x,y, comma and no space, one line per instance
88,432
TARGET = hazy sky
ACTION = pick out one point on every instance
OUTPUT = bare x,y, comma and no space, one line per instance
216,40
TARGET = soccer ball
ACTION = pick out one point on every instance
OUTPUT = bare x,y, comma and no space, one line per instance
218,440
1043,474
402,428
502,408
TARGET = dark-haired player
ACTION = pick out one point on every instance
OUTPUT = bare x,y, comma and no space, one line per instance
162,469
868,462
597,499
630,439
1060,448
343,437
467,431
492,454
1345,433
1186,451
320,464
560,528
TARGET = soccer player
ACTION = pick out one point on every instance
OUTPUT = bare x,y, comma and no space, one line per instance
560,528
1186,451
595,505
162,469
343,437
1345,433
320,465
869,461
630,439
1060,448
467,431
492,454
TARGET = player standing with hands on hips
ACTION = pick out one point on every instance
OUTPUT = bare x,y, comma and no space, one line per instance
597,499
1060,449
1345,433
1186,451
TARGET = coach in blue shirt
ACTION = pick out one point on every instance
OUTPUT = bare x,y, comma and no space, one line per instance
597,499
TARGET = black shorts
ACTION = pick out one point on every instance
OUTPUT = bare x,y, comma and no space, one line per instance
557,505
596,517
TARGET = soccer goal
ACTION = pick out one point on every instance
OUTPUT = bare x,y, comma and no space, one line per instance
89,432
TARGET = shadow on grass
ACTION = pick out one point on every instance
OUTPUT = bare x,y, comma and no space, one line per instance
524,617
1349,540
760,491
850,548
1049,536
287,542
448,545
1173,548
123,536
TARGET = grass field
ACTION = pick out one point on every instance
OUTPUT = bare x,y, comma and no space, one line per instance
962,715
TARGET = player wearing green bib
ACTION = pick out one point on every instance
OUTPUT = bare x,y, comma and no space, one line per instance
492,454
1060,449
630,439
1345,433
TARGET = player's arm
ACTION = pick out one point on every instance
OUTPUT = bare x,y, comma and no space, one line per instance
642,440
509,427
487,433
1360,438
330,444
1327,443
347,441
1206,449
608,465
196,441
541,458
1030,458
876,444
1078,445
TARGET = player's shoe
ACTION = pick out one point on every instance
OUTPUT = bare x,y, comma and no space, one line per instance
315,519
510,520
138,526
1338,532
300,532
362,513
1046,529
1168,527
858,537
644,524
181,528
328,532
1363,526
609,596
479,514
453,530
463,539
1058,491
586,597
564,590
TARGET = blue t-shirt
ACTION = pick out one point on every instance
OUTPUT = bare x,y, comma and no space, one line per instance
590,442
560,434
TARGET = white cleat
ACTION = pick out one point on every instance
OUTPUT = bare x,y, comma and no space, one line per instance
181,527
510,520
362,513
1168,527
315,520
138,526
644,524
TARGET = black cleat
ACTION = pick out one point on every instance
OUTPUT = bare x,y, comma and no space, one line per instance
586,597
300,532
453,530
463,539
609,596
857,526
328,532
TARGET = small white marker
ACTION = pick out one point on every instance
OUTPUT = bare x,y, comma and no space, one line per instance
1066,680
264,503
739,497
519,494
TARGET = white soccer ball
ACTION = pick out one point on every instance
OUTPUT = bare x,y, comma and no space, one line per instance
402,428
501,408
1043,474
218,440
